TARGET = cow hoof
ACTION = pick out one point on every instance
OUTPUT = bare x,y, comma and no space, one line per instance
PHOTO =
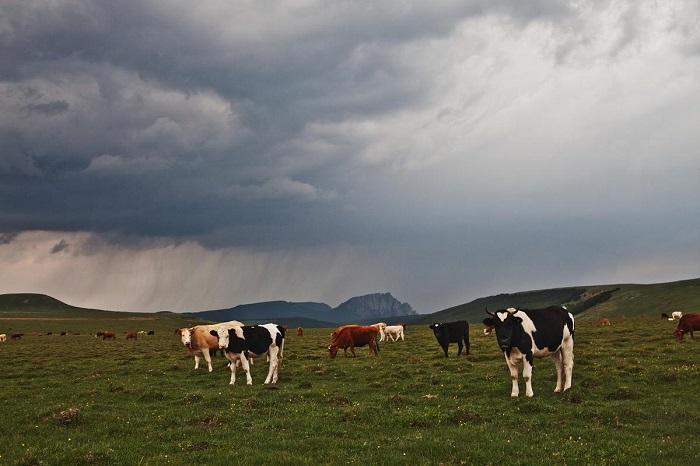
529,395
513,395
557,390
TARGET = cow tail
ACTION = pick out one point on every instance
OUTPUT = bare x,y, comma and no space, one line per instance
570,323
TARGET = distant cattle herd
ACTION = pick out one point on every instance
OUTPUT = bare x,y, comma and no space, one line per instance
522,335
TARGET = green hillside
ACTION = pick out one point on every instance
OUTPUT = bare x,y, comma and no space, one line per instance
588,301
16,307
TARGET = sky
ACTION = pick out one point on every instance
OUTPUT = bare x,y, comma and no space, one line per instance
195,155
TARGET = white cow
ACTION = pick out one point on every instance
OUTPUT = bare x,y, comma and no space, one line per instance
3,337
381,326
198,340
394,332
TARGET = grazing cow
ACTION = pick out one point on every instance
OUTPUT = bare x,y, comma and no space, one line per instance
300,331
687,324
664,316
151,332
63,334
524,334
108,336
131,335
99,334
199,342
603,321
49,333
676,315
394,332
351,336
3,337
452,332
16,336
380,326
252,340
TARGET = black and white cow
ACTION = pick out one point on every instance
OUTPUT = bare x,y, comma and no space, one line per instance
243,342
525,334
452,332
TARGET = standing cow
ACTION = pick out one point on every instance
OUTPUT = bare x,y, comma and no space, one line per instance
452,332
200,342
3,337
352,336
252,340
524,334
394,332
300,331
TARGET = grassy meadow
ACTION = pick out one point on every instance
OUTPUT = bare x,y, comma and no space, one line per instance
79,400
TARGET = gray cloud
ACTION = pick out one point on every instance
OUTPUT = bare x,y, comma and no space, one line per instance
416,132
7,238
60,246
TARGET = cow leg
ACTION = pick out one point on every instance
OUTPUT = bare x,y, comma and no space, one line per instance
196,361
382,335
460,345
527,375
466,344
232,365
445,347
246,368
559,365
207,357
352,350
402,335
567,350
271,372
514,391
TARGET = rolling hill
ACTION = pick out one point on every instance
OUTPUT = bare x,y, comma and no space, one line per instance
588,302
617,300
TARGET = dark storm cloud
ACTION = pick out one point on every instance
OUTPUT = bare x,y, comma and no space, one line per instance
432,133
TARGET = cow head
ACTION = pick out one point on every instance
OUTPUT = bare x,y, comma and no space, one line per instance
435,328
678,333
332,350
225,334
506,325
185,336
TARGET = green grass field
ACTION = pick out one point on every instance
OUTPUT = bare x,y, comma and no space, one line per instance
79,400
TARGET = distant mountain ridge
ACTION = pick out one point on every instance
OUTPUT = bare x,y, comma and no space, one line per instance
360,309
587,302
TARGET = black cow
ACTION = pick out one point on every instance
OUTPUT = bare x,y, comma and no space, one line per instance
452,332
243,342
151,332
524,334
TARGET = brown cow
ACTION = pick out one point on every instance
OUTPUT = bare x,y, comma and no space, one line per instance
199,341
17,336
603,321
351,336
108,336
688,323
300,331
131,336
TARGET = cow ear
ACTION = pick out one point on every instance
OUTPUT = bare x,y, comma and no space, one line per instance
214,333
178,332
489,322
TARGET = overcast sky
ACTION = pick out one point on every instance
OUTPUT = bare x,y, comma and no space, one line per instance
193,155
